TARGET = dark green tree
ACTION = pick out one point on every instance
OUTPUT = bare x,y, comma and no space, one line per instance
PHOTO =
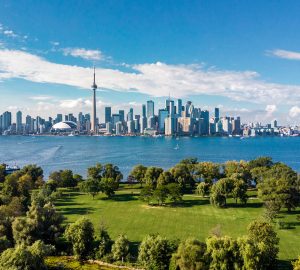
262,234
190,255
155,252
120,249
81,236
90,186
138,173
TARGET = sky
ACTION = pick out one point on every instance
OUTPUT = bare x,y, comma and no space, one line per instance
242,56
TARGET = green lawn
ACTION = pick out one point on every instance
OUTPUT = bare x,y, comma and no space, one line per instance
195,217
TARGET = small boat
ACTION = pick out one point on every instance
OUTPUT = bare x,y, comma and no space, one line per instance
177,147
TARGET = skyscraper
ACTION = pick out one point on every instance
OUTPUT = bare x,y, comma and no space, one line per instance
107,115
144,110
179,107
19,122
150,108
93,122
122,115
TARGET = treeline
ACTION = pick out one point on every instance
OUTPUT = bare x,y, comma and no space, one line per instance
278,185
256,250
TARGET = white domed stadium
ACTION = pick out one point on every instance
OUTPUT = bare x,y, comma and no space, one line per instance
64,126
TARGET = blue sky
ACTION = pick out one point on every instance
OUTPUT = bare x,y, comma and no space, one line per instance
243,56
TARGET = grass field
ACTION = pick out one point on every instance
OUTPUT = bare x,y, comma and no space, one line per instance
124,213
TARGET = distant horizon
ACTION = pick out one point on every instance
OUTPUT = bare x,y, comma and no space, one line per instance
217,54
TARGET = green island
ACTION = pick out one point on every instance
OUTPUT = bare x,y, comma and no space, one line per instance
196,215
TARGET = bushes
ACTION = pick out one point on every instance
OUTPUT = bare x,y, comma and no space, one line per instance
26,257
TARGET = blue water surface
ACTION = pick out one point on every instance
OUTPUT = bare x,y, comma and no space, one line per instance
78,153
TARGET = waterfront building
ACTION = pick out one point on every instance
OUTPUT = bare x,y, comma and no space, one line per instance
179,107
144,110
130,115
107,115
109,127
217,115
130,127
19,126
115,118
185,125
150,108
119,128
151,122
162,115
143,124
169,126
137,124
205,116
122,115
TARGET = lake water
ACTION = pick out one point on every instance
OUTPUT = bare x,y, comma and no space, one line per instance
78,153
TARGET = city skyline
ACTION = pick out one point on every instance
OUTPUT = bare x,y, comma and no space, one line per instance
204,55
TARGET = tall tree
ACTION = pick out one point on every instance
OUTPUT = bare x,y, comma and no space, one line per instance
138,173
190,255
155,252
120,249
81,236
264,236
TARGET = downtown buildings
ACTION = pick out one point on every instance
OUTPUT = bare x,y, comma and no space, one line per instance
174,119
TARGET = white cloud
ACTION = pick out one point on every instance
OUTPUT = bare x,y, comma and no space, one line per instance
290,55
294,111
54,43
75,103
271,108
83,53
41,98
156,79
9,33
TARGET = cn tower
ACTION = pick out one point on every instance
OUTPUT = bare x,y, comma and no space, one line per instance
93,120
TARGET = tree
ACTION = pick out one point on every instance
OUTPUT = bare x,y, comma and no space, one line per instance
155,252
95,172
220,191
35,172
2,172
160,194
264,236
151,176
260,162
296,264
146,194
191,255
138,173
120,249
90,186
280,185
249,254
224,253
105,243
165,178
174,192
81,236
203,189
26,258
207,171
239,168
108,186
113,172
239,190
40,223
63,178
182,175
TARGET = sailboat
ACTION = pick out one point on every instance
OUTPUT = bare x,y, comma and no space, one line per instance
177,147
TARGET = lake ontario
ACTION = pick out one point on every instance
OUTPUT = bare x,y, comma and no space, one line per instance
78,153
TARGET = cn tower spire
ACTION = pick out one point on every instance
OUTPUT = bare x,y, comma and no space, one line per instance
93,120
